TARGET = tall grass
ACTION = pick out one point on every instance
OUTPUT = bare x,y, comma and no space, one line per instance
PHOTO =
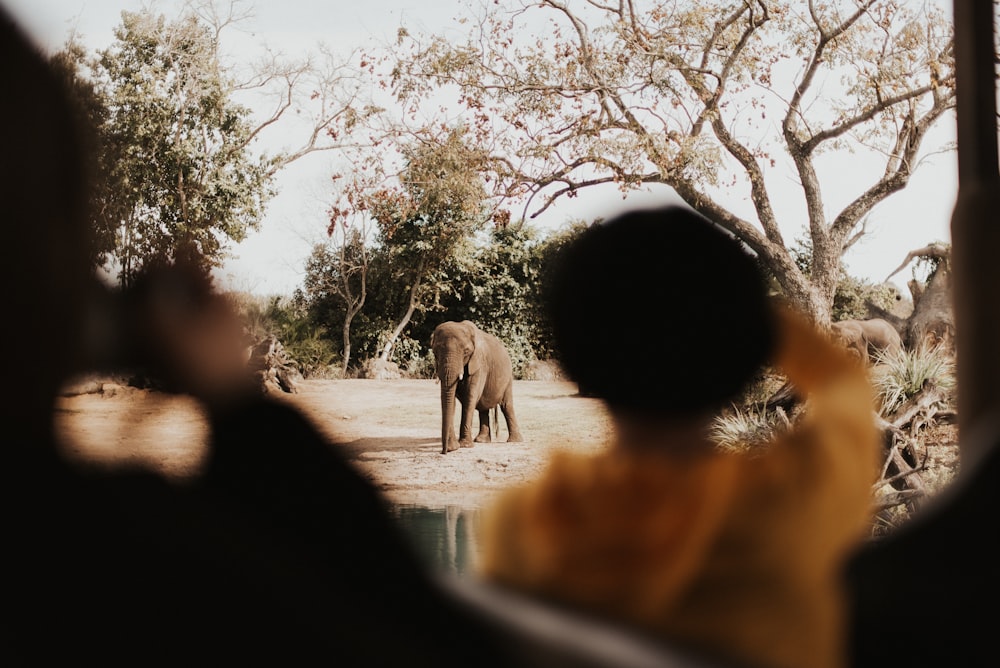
741,429
899,376
896,377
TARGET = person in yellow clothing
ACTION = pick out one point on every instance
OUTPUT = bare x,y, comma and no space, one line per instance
734,555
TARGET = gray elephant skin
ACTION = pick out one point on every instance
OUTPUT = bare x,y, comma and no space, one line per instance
474,367
868,338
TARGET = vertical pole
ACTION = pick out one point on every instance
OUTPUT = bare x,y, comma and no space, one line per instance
975,223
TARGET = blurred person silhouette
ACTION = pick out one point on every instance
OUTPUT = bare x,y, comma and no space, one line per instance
735,556
925,594
279,553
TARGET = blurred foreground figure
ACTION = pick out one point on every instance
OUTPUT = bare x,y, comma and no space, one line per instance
280,553
735,556
926,594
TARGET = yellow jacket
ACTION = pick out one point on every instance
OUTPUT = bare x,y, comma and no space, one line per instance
733,554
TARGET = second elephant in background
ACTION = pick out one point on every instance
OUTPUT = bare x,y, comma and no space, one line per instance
474,367
868,338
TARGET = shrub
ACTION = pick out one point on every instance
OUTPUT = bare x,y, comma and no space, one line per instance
410,355
746,428
898,376
314,354
854,294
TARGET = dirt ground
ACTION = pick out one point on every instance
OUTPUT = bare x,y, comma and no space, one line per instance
390,429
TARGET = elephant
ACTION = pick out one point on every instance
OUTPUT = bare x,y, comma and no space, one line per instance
867,338
474,367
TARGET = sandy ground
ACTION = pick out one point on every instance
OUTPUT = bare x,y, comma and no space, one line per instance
390,429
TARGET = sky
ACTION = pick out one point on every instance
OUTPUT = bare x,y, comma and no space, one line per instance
271,260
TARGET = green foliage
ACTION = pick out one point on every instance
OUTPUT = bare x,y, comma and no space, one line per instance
68,65
315,353
337,280
901,375
896,377
497,293
428,220
325,307
287,320
500,287
496,283
413,357
852,296
176,163
426,225
695,96
543,258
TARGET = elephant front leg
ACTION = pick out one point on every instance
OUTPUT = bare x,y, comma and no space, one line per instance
485,435
448,440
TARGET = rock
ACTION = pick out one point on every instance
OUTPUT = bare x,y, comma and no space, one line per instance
379,369
543,370
273,368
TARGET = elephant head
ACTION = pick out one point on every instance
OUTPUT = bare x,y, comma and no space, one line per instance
455,349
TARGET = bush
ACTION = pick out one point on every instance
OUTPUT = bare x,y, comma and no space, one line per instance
742,429
411,357
850,301
854,294
328,372
901,375
314,354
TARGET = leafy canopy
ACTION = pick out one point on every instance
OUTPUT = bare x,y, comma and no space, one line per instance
178,161
723,101
177,152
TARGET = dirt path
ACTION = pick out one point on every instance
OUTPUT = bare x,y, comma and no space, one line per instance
390,429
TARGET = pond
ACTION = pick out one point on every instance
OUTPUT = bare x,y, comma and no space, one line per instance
444,537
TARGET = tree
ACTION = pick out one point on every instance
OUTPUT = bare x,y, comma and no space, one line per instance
338,272
544,257
177,156
853,298
682,94
427,222
499,291
932,322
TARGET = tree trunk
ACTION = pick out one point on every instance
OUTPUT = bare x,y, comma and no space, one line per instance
405,320
347,345
932,321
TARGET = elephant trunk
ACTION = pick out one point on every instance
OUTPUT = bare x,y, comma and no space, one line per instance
448,440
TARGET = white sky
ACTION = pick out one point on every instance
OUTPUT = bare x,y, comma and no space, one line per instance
271,261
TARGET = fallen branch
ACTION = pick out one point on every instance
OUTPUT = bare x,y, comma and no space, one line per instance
898,498
922,402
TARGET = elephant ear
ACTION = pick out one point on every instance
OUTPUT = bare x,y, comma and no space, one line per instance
477,358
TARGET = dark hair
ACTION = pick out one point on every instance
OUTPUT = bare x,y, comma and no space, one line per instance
659,311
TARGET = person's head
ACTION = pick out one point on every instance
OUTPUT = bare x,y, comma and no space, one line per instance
45,235
660,313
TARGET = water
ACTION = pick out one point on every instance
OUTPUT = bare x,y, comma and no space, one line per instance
444,537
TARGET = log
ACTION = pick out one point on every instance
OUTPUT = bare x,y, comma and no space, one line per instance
273,368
